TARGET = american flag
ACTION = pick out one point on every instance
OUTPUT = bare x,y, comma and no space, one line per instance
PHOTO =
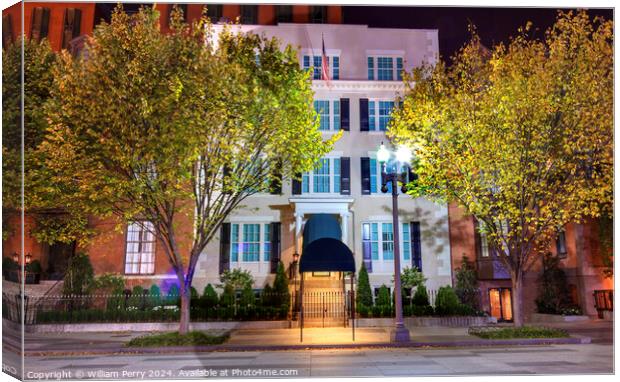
324,63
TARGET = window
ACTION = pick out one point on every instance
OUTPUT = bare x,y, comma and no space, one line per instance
40,23
314,63
71,26
321,176
328,120
140,249
250,242
385,68
284,13
318,14
375,176
249,14
484,245
214,12
379,113
379,237
325,178
406,242
560,244
387,239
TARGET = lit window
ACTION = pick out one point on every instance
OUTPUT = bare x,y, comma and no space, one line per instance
379,114
140,252
406,242
321,176
315,63
385,68
387,239
247,245
560,244
324,178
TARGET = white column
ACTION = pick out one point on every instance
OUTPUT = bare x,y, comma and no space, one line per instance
298,223
344,227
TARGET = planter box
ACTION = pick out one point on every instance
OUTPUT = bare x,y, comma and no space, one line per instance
543,317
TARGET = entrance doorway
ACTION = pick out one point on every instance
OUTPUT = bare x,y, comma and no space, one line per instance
500,300
58,259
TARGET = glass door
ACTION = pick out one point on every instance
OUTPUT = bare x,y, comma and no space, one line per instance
500,301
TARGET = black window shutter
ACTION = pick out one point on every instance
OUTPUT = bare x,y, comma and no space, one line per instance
7,30
297,186
275,246
71,27
365,176
345,176
275,186
40,23
214,12
224,247
344,114
416,245
411,176
363,114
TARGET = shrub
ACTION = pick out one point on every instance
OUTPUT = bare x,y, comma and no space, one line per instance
194,297
364,293
410,278
248,298
209,297
108,282
9,265
447,303
79,277
33,267
174,296
420,297
237,279
266,296
383,297
154,297
466,287
227,298
137,299
282,298
363,310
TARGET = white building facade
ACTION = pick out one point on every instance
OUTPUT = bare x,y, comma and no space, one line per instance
365,66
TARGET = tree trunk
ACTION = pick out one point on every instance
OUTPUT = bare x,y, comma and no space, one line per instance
517,298
185,300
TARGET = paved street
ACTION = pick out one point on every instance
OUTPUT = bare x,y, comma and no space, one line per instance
552,359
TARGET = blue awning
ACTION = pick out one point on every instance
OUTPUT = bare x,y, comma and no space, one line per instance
323,249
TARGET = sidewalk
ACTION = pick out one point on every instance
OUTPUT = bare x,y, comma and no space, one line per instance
74,344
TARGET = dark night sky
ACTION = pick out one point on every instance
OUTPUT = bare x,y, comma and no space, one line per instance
493,24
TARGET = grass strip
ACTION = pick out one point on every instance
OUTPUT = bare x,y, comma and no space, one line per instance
194,338
501,333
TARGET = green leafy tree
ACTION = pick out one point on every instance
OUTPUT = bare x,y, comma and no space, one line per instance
520,136
54,223
466,287
364,293
178,126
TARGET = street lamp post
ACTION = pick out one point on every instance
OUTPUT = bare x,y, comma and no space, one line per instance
399,333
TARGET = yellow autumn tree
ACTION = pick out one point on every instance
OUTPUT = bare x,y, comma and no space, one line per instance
520,135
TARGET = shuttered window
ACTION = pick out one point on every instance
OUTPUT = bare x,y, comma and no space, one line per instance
214,12
249,14
71,27
40,23
250,242
325,178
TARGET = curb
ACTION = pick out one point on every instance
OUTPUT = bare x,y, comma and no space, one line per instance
381,345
